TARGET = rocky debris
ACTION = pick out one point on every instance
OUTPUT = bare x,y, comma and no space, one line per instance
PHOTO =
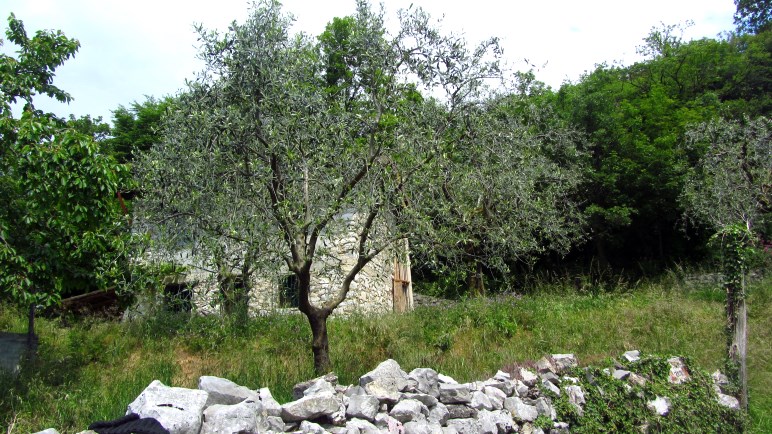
388,400
561,362
179,410
632,356
223,391
385,382
528,378
311,407
363,407
299,390
426,381
243,417
660,405
728,401
720,382
678,371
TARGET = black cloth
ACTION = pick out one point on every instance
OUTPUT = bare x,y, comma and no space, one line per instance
129,424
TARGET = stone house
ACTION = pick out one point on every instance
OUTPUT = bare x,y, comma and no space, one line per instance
383,285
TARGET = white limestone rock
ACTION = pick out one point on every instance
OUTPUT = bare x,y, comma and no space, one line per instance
311,407
446,379
632,356
496,397
551,387
319,385
299,389
660,405
177,409
521,411
223,391
545,408
486,423
361,426
307,427
428,400
270,406
480,401
620,374
438,414
564,361
464,426
241,418
409,410
455,393
362,406
47,431
728,401
427,381
545,365
528,378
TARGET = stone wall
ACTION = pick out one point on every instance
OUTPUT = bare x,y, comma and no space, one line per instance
389,400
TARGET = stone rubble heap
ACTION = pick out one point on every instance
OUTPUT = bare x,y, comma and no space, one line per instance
390,400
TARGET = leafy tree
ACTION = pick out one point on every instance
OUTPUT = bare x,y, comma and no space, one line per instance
752,15
60,222
285,141
730,190
137,128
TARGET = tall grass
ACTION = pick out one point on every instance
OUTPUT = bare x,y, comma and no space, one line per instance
90,369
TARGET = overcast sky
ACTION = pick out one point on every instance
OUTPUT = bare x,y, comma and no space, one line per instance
130,49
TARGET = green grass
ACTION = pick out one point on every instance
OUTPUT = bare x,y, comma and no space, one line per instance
90,369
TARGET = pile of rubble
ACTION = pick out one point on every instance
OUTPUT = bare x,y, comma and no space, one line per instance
390,400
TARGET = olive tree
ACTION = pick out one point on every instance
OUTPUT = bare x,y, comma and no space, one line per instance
730,190
505,189
285,140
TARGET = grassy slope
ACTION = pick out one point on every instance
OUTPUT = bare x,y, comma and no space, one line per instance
90,370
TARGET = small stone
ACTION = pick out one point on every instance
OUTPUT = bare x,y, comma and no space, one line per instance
501,375
439,414
551,387
274,423
457,411
427,400
223,391
544,408
660,405
620,374
464,426
552,378
446,379
362,406
387,376
311,407
678,372
486,423
521,411
236,418
528,378
632,356
427,381
319,386
545,365
361,426
270,406
455,393
636,380
522,389
409,410
299,389
47,431
728,401
564,361
480,401
307,427
496,397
